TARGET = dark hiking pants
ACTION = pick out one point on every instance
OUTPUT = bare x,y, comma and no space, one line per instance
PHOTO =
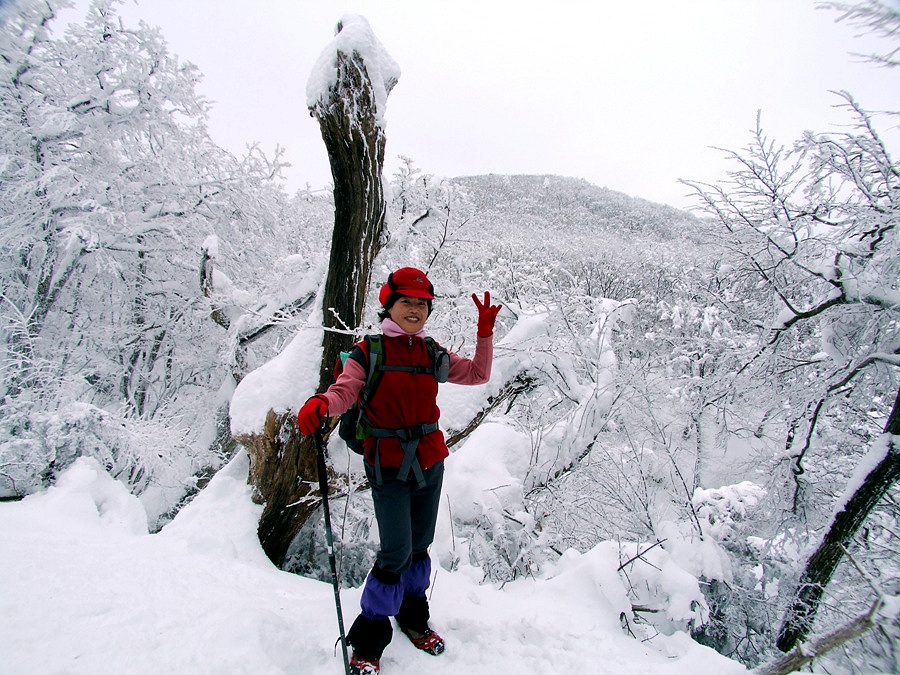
406,514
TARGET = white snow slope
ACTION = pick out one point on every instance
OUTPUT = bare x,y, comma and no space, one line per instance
85,589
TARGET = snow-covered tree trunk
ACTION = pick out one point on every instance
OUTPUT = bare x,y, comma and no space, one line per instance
355,140
347,93
820,567
804,654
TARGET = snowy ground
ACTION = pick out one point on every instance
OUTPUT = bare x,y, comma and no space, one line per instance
85,589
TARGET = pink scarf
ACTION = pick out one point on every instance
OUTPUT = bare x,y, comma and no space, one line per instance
390,328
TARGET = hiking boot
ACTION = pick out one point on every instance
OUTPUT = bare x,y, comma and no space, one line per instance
363,666
429,641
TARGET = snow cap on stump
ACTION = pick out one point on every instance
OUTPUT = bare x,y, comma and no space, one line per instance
354,36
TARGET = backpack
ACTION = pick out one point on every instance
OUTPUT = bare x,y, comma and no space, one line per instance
354,426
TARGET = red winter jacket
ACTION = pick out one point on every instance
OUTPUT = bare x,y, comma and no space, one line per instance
405,399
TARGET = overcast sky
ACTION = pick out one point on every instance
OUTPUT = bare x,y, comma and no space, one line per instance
629,95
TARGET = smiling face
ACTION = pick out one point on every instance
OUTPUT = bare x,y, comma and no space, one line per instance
409,313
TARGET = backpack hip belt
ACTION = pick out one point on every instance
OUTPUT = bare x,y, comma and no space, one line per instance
409,441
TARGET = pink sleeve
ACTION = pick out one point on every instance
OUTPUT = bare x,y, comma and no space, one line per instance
476,370
344,392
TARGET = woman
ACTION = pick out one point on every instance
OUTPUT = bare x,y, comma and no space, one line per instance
404,460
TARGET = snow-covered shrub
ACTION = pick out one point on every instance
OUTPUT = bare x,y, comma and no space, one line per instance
669,580
483,522
667,595
86,493
720,511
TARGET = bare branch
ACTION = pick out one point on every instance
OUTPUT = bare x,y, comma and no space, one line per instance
804,653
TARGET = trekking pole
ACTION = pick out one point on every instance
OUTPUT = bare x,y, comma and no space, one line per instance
329,540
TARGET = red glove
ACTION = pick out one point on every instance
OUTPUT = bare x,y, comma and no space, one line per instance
311,414
487,314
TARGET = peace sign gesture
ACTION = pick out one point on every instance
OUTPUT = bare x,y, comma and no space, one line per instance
487,314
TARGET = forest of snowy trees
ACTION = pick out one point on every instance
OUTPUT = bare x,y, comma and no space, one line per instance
715,392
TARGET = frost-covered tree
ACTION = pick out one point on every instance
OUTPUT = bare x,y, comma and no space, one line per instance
109,184
812,232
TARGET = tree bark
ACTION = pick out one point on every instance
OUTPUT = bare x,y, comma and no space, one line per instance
283,475
355,143
283,468
799,618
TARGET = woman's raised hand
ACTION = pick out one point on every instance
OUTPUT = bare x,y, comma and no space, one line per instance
487,314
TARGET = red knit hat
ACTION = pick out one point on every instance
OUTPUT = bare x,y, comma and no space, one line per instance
406,281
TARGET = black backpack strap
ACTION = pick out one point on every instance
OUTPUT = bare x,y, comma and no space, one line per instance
358,354
374,366
418,370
